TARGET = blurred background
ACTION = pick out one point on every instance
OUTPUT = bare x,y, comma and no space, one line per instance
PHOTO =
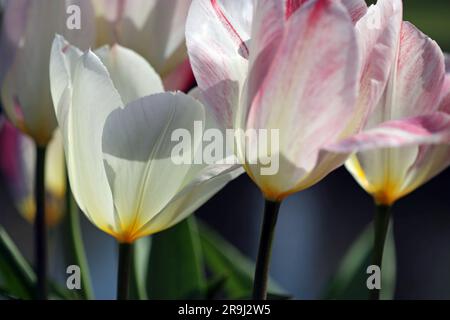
315,228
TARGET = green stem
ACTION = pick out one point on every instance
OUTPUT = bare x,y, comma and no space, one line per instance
123,274
381,224
40,232
76,245
265,248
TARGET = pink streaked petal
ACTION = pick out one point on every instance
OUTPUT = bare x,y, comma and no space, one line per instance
379,35
420,74
444,106
180,79
427,129
414,87
267,33
356,8
217,59
310,91
230,28
447,62
292,5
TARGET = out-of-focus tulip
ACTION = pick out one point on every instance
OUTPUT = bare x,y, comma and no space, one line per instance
17,163
117,128
416,87
152,28
27,33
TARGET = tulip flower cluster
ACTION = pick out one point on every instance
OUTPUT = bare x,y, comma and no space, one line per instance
340,82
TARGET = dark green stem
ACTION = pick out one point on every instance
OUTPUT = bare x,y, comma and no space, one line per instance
123,274
265,248
40,232
76,245
381,224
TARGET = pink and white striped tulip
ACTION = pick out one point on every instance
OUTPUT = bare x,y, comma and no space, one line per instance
405,139
315,70
152,28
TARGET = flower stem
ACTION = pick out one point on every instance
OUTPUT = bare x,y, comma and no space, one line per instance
381,224
265,248
123,275
40,232
76,244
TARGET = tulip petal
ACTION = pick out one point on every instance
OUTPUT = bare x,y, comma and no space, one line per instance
310,103
416,80
63,61
356,8
290,6
93,98
217,34
138,145
267,32
379,34
200,187
431,160
444,106
447,62
427,129
131,74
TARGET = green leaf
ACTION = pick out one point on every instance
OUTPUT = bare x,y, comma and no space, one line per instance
176,268
59,292
16,274
225,261
349,282
77,254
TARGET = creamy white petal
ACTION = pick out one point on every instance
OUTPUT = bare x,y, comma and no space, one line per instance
137,147
131,74
93,99
200,187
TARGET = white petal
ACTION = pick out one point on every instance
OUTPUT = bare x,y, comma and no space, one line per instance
201,186
137,143
93,99
131,74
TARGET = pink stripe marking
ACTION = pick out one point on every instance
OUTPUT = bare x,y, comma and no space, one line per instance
65,48
292,6
231,30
